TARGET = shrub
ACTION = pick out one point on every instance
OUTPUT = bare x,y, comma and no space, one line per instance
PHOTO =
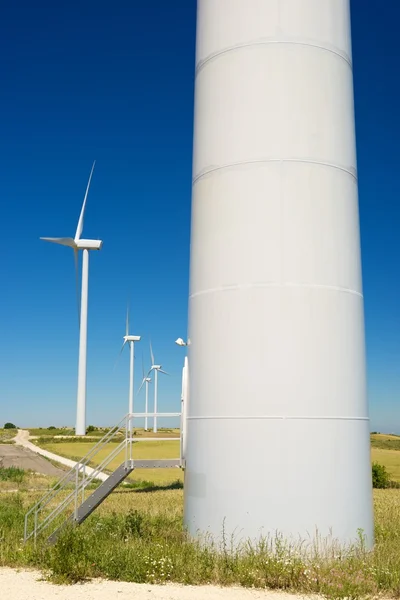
51,427
380,476
12,474
91,428
10,426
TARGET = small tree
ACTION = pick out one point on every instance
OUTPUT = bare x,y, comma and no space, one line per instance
91,428
380,476
10,426
51,427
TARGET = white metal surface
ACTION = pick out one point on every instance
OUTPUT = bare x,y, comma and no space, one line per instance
81,395
277,423
131,377
155,399
184,402
77,243
146,405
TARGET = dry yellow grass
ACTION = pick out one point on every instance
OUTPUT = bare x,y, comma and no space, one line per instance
31,481
138,536
141,450
388,458
154,503
384,436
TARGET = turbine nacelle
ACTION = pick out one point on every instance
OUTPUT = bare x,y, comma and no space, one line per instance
89,244
156,367
75,244
132,338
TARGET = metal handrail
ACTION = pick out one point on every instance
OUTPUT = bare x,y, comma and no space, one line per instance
60,485
73,475
74,493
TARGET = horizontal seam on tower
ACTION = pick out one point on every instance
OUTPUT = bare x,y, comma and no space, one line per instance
201,64
230,288
279,418
272,160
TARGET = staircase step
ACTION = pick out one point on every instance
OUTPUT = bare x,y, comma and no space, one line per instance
95,499
157,464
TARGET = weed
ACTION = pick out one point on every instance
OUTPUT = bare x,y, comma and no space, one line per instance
14,474
140,537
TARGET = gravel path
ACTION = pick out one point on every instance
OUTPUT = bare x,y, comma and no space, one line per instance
26,585
22,439
18,456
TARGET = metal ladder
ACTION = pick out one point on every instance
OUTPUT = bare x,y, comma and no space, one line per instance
73,506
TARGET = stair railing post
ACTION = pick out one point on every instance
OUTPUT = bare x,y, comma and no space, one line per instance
26,528
35,527
76,490
83,482
127,428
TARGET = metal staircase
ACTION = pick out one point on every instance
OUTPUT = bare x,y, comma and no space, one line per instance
67,501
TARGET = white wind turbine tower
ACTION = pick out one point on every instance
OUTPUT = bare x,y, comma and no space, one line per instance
130,339
145,381
156,369
77,243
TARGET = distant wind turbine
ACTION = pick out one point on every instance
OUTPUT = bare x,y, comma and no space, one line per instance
77,243
130,339
157,369
145,381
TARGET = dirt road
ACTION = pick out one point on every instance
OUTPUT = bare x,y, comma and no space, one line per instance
22,439
17,456
25,585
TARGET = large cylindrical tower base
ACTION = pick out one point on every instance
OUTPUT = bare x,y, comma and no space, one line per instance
277,418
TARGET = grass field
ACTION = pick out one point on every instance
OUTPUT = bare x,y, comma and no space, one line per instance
44,432
139,536
141,450
139,431
390,459
385,450
17,479
6,435
385,442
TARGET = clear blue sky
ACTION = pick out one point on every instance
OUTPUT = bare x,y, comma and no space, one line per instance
90,80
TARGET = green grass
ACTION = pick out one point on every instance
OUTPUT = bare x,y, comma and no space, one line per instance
98,433
141,450
385,442
13,474
6,435
170,449
139,536
42,432
390,459
28,481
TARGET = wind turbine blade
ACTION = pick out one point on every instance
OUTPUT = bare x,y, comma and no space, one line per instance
61,241
141,385
127,320
119,355
151,354
143,366
78,297
81,216
161,371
